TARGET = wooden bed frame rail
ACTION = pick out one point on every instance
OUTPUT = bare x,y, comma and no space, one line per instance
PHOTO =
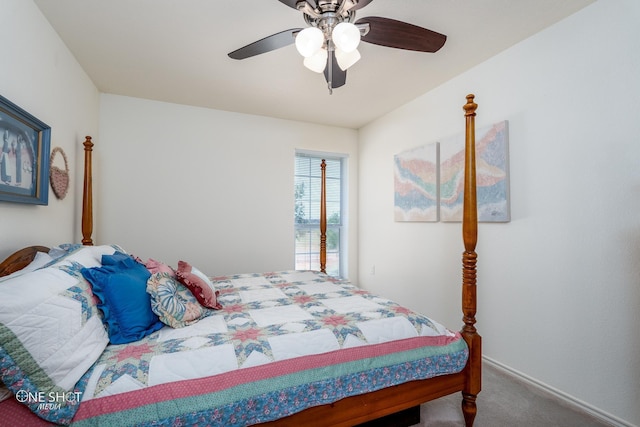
359,409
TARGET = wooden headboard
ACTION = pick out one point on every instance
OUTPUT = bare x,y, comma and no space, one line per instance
20,259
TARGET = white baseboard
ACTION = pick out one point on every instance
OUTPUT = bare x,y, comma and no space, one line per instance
568,399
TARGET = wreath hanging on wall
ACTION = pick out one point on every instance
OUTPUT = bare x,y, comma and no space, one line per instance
59,178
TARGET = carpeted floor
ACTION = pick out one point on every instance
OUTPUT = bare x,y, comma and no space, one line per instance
506,401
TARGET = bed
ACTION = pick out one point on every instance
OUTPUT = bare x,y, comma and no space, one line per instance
283,348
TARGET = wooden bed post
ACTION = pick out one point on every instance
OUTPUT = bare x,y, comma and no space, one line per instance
469,259
87,195
323,217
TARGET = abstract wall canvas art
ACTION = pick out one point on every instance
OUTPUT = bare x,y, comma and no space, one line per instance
492,171
416,184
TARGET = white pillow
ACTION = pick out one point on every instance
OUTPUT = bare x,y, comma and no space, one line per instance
51,332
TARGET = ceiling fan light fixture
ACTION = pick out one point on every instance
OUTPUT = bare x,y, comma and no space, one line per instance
346,36
317,62
347,59
329,43
309,41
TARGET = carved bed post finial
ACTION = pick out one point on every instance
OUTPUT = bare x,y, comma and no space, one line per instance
87,195
469,274
323,218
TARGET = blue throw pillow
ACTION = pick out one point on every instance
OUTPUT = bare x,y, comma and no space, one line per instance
120,285
119,259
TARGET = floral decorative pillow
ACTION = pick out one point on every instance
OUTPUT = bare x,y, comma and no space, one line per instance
199,285
158,267
174,304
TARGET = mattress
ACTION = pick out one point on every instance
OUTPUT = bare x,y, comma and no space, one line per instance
283,342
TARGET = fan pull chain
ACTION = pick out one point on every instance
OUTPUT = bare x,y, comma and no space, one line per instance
330,68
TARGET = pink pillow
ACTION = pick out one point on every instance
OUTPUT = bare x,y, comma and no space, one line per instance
199,285
157,267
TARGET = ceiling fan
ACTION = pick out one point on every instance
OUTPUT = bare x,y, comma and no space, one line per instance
329,43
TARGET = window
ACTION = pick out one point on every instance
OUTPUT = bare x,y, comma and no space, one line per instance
308,181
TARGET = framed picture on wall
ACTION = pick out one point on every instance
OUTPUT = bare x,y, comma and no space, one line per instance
24,156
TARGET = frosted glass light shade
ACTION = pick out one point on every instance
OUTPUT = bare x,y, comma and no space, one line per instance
309,41
317,62
346,36
347,59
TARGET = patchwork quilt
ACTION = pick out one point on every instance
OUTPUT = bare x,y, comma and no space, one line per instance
282,342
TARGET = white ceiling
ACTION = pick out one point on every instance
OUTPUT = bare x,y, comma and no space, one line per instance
176,51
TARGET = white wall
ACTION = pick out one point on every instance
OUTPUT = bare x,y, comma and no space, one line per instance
40,75
211,187
559,286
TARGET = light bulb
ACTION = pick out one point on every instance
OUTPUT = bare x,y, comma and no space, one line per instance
346,36
317,62
309,41
347,59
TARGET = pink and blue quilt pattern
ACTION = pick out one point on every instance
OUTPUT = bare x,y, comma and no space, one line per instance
283,342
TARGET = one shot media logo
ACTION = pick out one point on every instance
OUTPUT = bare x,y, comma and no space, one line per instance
50,400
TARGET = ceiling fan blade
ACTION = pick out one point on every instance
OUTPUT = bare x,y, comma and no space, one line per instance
361,4
337,77
267,44
401,35
292,3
